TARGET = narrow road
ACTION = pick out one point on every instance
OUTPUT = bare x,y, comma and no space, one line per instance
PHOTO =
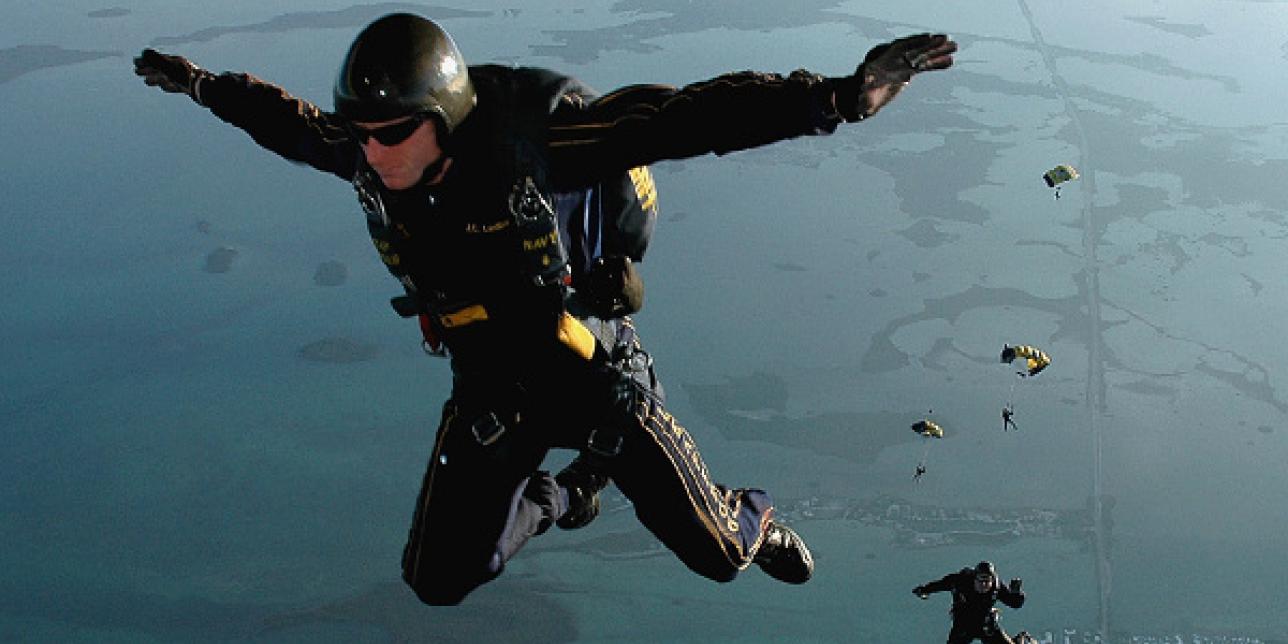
1095,394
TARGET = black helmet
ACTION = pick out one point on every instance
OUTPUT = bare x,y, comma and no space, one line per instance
404,64
985,568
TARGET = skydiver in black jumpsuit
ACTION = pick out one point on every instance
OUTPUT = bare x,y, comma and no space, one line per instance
975,591
451,178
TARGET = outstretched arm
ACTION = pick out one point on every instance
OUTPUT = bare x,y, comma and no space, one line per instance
944,583
640,124
291,127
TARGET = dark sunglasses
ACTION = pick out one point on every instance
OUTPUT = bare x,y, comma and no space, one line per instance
387,135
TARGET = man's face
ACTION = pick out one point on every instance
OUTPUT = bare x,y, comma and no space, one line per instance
983,583
401,164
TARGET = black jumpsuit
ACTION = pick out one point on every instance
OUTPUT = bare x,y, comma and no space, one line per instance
971,610
518,389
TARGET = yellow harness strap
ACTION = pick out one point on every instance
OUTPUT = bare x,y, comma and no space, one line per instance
575,334
468,315
572,332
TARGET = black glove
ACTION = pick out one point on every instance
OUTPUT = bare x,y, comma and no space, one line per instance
920,591
887,69
1016,584
174,74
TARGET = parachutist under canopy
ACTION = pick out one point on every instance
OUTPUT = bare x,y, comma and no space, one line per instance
1058,175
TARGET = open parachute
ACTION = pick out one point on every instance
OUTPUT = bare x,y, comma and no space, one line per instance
928,428
1059,174
1035,359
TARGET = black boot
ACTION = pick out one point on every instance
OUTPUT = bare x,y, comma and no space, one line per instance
784,556
583,482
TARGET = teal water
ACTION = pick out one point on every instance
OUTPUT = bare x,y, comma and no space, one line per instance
177,465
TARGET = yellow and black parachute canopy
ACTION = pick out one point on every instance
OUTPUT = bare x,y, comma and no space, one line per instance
1059,174
1035,359
928,428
